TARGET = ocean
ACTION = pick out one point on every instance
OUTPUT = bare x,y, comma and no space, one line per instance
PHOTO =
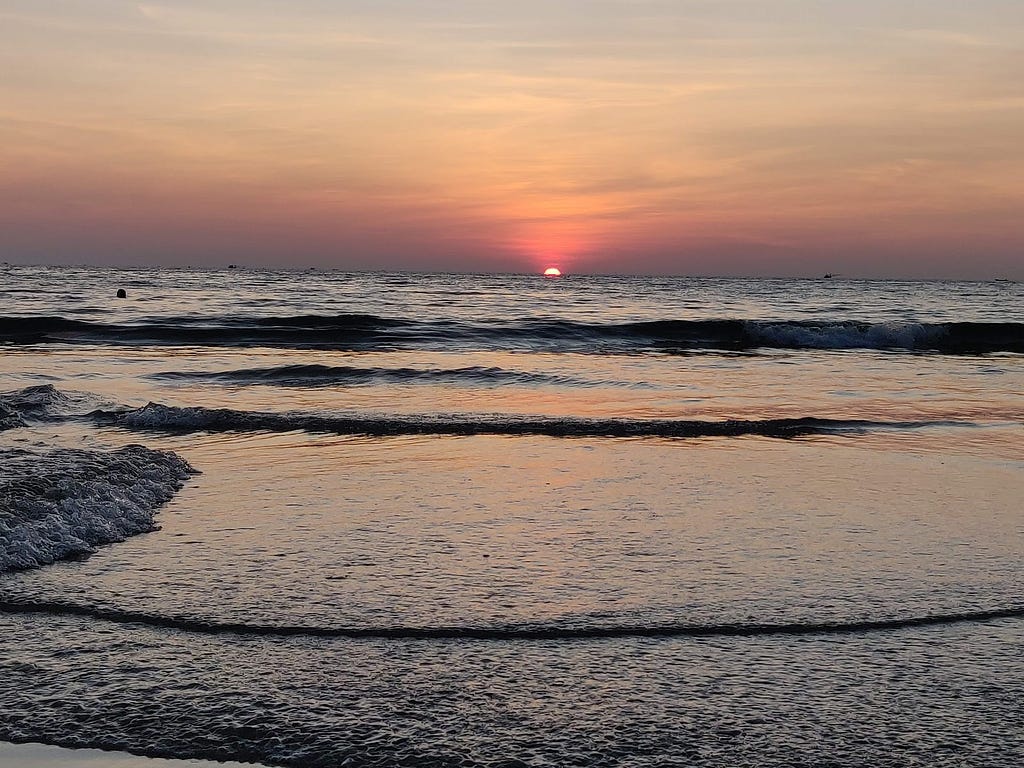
317,518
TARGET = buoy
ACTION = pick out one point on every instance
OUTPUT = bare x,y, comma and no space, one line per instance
122,293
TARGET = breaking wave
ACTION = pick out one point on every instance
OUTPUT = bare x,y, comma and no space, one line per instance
156,417
39,403
362,331
505,632
62,503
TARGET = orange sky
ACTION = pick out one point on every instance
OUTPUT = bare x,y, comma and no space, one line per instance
667,136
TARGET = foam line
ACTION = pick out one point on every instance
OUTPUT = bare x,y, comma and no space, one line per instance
512,632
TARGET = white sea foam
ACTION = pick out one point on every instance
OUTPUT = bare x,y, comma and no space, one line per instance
847,335
61,503
9,417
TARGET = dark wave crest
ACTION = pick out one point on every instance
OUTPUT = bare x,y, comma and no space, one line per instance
952,338
506,632
364,331
330,375
155,417
39,403
328,331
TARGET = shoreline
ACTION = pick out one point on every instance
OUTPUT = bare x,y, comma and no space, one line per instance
35,755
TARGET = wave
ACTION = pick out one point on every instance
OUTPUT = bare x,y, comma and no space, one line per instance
362,332
64,503
155,417
347,330
39,403
955,338
505,632
328,375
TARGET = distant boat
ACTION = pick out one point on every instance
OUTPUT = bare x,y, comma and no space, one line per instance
827,276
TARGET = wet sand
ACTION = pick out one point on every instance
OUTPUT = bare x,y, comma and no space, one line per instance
45,756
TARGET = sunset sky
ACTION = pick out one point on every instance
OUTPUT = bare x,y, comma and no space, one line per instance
730,137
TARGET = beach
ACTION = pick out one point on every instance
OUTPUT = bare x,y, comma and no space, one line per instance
45,756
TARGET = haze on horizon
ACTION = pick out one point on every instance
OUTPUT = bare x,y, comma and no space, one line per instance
743,137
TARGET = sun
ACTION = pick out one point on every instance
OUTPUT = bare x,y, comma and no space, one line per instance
552,272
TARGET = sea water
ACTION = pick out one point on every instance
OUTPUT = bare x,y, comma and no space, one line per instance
324,518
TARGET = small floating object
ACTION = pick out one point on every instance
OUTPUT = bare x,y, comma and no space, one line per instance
122,293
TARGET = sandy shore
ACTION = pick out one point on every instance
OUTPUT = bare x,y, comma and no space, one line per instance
43,756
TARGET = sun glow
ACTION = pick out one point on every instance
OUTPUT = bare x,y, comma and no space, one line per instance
552,272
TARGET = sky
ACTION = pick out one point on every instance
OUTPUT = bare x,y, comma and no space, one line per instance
691,137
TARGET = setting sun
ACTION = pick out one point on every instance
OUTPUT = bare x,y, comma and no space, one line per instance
552,272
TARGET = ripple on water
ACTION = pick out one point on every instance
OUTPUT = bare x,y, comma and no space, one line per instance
882,699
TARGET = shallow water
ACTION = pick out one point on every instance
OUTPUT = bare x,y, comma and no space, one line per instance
490,522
